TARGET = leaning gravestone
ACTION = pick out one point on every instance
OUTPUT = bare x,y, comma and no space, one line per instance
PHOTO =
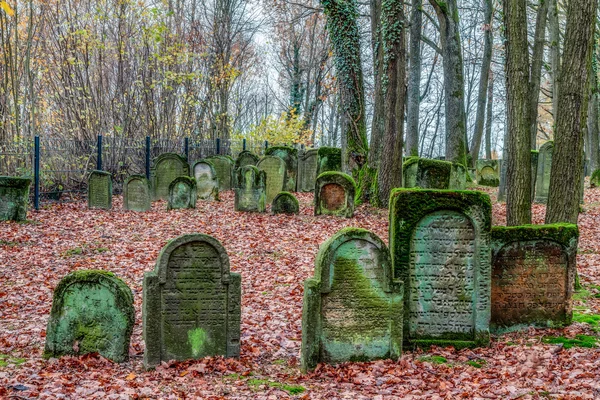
307,170
274,167
182,193
100,190
250,193
533,275
92,311
192,303
352,308
542,182
246,158
136,193
433,174
224,168
207,183
290,157
285,203
488,172
14,195
329,159
165,169
334,194
440,243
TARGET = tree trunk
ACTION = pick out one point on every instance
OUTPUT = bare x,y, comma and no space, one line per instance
378,122
567,159
592,123
414,80
489,119
554,35
536,68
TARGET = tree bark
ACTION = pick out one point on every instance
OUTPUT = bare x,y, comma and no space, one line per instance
554,36
489,119
592,123
378,122
535,74
414,80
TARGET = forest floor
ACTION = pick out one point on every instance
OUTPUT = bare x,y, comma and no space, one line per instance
274,254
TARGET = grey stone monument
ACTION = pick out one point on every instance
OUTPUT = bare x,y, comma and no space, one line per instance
100,190
274,167
137,194
164,170
250,193
207,182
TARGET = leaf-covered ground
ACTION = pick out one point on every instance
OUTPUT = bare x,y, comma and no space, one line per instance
274,254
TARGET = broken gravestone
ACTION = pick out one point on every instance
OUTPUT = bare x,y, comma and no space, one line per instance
182,193
542,181
329,159
92,311
307,170
245,158
334,194
250,193
165,169
207,183
290,157
533,276
274,167
223,166
440,244
285,203
136,193
192,303
100,190
14,195
352,308
488,172
433,174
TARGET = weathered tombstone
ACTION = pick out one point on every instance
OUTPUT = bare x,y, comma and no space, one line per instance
285,203
308,163
329,159
165,169
246,158
542,183
224,168
352,308
334,194
192,303
182,193
250,193
290,157
488,172
92,311
100,190
274,167
440,244
595,179
433,174
207,182
136,193
14,195
533,275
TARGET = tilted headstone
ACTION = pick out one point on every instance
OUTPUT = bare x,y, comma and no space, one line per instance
192,303
274,167
533,275
137,194
92,311
352,308
224,168
290,157
440,244
182,193
207,182
542,182
285,203
433,174
334,194
246,158
165,169
100,190
14,195
308,163
329,159
250,193
488,172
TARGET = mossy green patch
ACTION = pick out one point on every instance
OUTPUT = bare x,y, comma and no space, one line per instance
255,384
577,341
479,363
7,359
197,338
590,319
434,359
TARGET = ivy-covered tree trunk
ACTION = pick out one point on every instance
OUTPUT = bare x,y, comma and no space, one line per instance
342,25
567,158
377,124
414,81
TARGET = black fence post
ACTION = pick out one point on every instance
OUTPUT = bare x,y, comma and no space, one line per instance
244,144
36,173
186,148
266,144
218,142
99,157
148,157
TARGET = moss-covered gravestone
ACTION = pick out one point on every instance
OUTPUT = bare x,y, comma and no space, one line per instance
100,190
224,168
488,172
440,244
308,163
136,193
542,181
595,179
290,157
250,193
352,309
165,169
14,195
207,183
191,305
433,174
245,158
533,276
274,167
92,311
334,194
329,159
182,193
285,203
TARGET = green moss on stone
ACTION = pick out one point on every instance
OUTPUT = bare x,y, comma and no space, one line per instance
285,203
329,159
348,185
14,195
595,179
562,233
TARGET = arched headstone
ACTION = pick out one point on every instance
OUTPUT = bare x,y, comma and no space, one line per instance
165,168
246,158
274,167
308,163
182,193
285,203
14,195
488,172
100,190
250,193
334,194
207,182
433,174
542,182
224,169
136,193
290,157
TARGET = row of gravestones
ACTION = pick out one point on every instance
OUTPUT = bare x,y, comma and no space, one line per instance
438,174
449,279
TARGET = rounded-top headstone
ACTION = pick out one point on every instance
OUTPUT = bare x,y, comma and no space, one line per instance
334,194
246,158
100,190
166,167
136,193
285,203
182,193
207,182
289,155
224,168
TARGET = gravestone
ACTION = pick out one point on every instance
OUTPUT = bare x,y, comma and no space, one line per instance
92,311
14,195
182,193
290,157
307,170
533,275
595,179
246,158
165,169
100,190
542,182
192,303
274,167
352,308
136,193
250,193
334,194
433,174
285,203
207,183
223,166
488,172
440,244
329,159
